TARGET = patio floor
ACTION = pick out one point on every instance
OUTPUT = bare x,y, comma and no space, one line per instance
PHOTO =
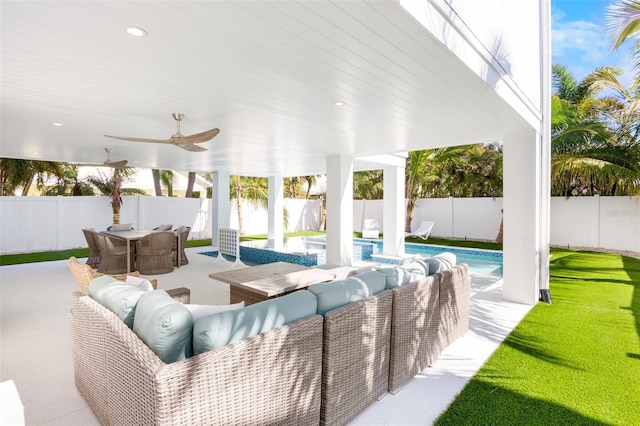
35,345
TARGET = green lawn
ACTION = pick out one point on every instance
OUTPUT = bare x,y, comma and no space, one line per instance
575,362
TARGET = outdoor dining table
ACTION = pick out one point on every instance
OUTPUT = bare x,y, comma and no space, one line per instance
131,236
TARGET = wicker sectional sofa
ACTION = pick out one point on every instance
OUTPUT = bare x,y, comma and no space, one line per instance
359,338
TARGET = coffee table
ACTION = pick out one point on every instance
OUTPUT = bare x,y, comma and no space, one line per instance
255,284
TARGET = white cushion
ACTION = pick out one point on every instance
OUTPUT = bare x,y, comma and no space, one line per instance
199,311
141,283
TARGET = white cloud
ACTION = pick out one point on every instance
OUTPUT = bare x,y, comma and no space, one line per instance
582,46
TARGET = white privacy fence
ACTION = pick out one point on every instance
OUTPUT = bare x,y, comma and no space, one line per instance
32,224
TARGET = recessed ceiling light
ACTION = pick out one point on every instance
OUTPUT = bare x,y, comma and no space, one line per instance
35,152
136,31
338,103
57,124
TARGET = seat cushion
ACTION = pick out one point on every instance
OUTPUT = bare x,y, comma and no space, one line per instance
218,330
164,325
441,262
339,293
119,297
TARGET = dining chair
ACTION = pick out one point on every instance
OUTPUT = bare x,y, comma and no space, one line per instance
113,254
94,250
177,250
153,253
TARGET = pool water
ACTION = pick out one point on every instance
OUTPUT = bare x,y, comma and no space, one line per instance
311,251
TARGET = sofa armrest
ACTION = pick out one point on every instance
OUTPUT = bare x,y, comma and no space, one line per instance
355,357
181,294
414,330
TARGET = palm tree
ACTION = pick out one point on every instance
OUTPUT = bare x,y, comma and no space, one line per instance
112,187
368,185
191,180
17,173
155,173
415,179
69,184
595,145
166,177
623,20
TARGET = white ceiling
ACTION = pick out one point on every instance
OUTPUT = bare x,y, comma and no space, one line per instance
265,73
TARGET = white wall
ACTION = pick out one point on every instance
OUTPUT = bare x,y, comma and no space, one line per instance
31,224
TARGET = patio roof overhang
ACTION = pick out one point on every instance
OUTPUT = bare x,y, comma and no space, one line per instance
265,73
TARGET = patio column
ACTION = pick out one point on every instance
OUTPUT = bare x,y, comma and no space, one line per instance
393,211
276,211
526,261
339,210
220,204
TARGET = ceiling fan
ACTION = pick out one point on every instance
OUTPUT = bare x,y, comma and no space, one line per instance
178,139
115,164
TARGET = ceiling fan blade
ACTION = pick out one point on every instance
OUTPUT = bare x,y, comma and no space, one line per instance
191,147
125,138
116,164
199,137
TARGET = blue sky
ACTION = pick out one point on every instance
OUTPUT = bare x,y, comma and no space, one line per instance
580,40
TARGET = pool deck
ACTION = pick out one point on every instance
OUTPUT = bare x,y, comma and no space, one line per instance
35,349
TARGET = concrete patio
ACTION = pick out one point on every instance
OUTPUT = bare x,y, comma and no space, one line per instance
36,343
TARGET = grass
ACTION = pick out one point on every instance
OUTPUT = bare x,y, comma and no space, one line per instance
15,259
574,362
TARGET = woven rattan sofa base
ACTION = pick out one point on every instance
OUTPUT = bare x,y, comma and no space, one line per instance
355,363
428,315
273,378
414,330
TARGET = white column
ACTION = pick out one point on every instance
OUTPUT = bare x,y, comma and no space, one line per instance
339,210
524,222
276,211
545,143
220,204
393,211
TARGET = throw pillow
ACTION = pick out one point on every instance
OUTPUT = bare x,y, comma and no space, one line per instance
164,325
441,262
141,283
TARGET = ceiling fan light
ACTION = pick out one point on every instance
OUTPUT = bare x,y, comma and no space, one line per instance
136,31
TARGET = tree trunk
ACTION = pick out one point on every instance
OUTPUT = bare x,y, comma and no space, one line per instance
27,186
407,221
190,183
499,237
239,201
156,182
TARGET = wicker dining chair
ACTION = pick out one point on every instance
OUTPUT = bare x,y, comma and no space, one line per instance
153,253
83,274
182,234
94,250
113,254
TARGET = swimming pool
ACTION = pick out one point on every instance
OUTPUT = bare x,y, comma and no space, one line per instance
311,251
